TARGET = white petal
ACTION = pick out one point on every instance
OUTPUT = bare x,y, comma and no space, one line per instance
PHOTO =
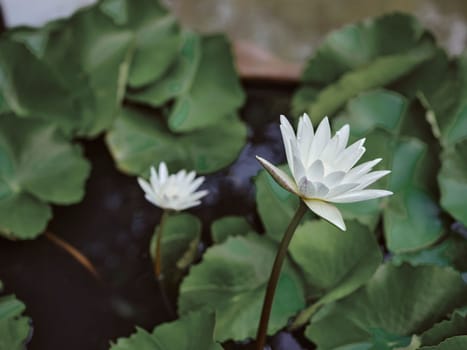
358,196
351,155
334,179
154,178
340,189
197,195
191,176
305,135
145,186
288,149
306,188
343,137
280,176
163,172
321,139
362,169
195,184
288,137
367,179
298,170
321,189
327,211
316,171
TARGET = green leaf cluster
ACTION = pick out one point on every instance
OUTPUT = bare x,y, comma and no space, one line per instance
192,332
15,329
120,68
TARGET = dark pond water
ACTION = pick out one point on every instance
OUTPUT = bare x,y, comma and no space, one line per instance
112,226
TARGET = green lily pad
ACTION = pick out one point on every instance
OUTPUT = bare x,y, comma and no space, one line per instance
379,108
354,59
450,252
455,326
191,332
276,206
223,228
335,263
395,299
452,181
139,139
156,37
37,166
454,343
176,79
412,218
14,328
214,91
76,80
180,238
232,280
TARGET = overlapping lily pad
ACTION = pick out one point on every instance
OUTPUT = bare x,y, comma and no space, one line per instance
75,79
227,226
203,82
38,166
191,332
232,280
14,327
335,263
140,139
180,238
390,301
354,59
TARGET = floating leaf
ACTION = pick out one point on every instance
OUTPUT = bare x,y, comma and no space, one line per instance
232,280
176,79
410,209
454,343
335,263
354,59
456,325
37,165
395,299
214,91
227,226
156,36
139,140
180,238
75,80
450,252
191,332
14,328
276,206
452,181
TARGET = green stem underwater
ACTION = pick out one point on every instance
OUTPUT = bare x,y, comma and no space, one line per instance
275,274
157,253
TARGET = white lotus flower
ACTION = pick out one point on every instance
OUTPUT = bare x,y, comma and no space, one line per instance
323,168
176,191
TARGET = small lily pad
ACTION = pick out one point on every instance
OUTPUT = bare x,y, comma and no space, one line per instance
140,139
38,166
232,280
191,332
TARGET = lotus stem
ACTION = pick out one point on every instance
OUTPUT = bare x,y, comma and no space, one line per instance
157,253
75,253
275,274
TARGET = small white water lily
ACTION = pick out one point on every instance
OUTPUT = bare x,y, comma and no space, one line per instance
323,168
176,191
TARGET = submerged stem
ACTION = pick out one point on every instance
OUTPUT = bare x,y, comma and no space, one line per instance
75,253
274,277
157,253
158,264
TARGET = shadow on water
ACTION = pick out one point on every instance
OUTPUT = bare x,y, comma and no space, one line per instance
112,226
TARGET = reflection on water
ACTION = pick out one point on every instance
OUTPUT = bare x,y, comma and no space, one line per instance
292,29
